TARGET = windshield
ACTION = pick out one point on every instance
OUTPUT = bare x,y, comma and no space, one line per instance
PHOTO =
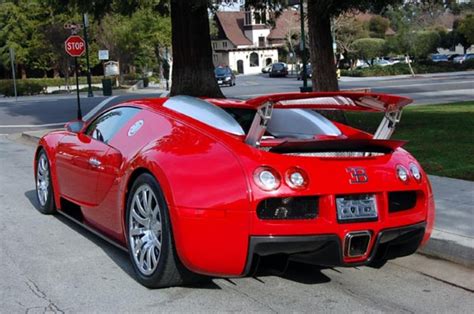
221,71
278,66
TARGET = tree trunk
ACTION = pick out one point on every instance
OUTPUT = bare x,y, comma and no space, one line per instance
193,70
324,77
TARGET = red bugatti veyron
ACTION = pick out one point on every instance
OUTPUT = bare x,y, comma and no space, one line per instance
192,186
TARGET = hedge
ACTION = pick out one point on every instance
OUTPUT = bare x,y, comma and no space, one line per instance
423,67
33,86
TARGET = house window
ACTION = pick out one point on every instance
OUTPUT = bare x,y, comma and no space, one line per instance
224,44
261,41
248,18
254,59
214,46
214,57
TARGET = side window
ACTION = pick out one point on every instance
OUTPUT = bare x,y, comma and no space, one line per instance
104,127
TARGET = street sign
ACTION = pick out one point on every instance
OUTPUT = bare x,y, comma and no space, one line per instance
103,55
75,46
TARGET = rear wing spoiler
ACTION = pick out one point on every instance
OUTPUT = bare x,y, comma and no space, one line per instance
390,105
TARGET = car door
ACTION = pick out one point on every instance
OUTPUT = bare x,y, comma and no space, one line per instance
78,161
84,157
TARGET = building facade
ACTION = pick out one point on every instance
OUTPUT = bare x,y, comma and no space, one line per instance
247,43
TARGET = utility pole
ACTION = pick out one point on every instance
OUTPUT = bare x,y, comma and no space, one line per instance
85,21
305,87
12,61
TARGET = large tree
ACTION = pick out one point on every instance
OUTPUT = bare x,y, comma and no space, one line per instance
192,72
320,15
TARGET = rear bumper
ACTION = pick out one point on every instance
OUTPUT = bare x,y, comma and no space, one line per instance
327,250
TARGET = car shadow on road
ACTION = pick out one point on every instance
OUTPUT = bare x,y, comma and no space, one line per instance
119,256
298,272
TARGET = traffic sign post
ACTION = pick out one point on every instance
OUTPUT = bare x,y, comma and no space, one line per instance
75,47
85,20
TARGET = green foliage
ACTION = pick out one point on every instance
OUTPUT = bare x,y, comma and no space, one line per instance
23,87
348,29
35,30
466,28
402,69
33,86
425,42
378,26
369,48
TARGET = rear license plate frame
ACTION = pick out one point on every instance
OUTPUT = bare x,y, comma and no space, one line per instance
356,208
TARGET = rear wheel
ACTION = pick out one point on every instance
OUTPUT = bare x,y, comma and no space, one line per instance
150,239
44,187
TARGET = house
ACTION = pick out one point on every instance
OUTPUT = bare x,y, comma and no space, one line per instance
246,42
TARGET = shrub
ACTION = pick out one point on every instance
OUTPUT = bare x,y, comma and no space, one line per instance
23,88
369,48
33,86
425,43
423,67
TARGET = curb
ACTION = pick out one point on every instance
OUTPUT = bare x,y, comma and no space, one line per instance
30,137
450,247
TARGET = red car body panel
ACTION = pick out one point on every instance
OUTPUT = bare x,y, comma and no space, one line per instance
207,179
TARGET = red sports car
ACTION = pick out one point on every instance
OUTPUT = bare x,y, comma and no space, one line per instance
193,187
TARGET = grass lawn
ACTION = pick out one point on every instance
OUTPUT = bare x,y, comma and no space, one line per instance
441,137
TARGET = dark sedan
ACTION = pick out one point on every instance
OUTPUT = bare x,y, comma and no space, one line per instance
224,76
278,69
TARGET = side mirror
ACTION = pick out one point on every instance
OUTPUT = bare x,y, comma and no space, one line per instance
74,126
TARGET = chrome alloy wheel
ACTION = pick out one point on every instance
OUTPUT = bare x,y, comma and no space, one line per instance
42,179
144,230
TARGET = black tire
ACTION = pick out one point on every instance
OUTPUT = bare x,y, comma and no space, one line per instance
169,269
46,204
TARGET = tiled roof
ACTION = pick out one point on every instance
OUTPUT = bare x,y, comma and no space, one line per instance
288,20
233,26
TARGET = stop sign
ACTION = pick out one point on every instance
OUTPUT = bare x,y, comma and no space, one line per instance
75,46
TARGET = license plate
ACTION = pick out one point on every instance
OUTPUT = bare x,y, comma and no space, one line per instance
356,207
219,82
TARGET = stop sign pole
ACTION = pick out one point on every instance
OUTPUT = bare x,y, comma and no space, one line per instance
75,47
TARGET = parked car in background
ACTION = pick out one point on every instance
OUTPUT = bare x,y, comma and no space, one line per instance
462,58
309,72
278,69
437,57
381,62
361,64
224,76
454,55
266,69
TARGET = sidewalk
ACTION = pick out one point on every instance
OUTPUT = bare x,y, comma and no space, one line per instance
453,234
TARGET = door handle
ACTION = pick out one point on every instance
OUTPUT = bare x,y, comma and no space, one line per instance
94,162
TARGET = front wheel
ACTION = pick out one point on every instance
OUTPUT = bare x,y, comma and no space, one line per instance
150,239
44,187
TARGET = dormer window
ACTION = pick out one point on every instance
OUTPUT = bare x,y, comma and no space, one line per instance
248,18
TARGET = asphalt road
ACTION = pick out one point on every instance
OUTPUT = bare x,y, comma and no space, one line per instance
29,113
48,264
426,89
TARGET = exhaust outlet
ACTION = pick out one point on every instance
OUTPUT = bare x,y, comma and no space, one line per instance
357,243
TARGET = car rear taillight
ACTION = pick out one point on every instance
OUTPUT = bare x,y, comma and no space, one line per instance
415,172
267,178
296,178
